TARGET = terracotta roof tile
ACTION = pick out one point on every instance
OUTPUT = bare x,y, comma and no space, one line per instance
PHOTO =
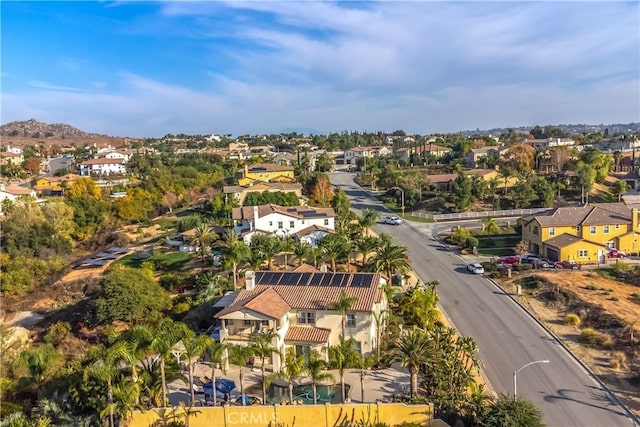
246,212
305,268
311,229
269,303
567,239
596,214
307,334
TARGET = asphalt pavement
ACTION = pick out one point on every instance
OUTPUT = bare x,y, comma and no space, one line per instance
507,336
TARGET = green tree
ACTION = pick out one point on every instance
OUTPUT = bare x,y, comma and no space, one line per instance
131,295
194,348
366,220
165,336
203,239
267,246
366,246
340,203
344,303
413,351
342,357
490,225
335,246
316,372
507,411
38,365
586,175
235,252
301,251
391,259
294,368
215,353
263,347
136,205
619,188
461,192
506,173
523,194
239,356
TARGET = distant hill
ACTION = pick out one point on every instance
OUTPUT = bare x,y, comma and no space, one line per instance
37,129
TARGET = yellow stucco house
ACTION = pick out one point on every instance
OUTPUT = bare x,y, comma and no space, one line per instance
265,172
240,193
54,184
583,233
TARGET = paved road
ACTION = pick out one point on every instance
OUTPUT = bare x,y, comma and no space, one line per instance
57,163
506,335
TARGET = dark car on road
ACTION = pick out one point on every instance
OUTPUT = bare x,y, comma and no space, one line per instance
568,265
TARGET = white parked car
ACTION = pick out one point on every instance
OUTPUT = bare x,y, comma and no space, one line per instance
393,220
476,268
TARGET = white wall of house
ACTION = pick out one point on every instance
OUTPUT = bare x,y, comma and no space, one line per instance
312,239
117,155
283,225
102,169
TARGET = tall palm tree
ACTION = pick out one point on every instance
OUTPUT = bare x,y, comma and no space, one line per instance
316,372
239,355
342,357
256,260
366,246
266,245
286,248
301,251
215,352
204,237
262,344
294,368
194,347
391,259
165,335
138,341
366,220
334,246
235,252
343,305
505,172
413,350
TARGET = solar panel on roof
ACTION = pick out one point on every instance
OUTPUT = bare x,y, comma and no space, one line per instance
304,279
361,281
316,279
267,279
326,279
336,280
289,279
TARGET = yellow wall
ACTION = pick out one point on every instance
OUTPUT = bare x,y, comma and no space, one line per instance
266,176
572,252
290,416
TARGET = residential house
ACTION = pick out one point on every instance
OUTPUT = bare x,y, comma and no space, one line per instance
14,150
103,166
280,220
351,155
54,185
298,307
239,193
582,233
313,234
539,144
265,172
10,158
13,192
477,156
423,150
444,182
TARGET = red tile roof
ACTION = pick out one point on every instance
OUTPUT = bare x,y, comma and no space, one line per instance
246,212
307,334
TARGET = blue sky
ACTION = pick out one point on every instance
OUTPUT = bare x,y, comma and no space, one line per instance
151,68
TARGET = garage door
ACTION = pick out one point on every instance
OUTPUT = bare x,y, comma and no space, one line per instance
553,254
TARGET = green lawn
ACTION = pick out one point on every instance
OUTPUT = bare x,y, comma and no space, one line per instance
171,261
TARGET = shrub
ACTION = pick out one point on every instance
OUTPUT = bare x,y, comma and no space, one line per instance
471,242
169,281
614,299
572,319
181,307
522,267
57,332
591,288
635,295
591,337
617,360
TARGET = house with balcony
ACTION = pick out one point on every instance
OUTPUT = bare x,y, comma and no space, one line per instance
283,221
265,172
239,193
103,167
298,307
582,234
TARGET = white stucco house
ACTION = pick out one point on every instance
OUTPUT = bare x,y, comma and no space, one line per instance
351,155
14,192
103,166
297,306
282,221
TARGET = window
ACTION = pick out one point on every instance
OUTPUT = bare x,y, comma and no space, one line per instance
303,350
264,323
246,322
605,229
292,224
280,226
552,231
593,229
358,346
351,320
583,253
307,317
535,230
270,223
326,221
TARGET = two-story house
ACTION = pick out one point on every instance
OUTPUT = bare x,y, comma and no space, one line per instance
103,166
54,185
265,172
476,156
239,193
582,233
282,221
14,192
298,307
353,154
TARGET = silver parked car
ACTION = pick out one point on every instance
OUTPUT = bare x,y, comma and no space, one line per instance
476,268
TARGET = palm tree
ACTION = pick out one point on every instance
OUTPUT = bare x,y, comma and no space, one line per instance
256,260
334,246
235,252
390,259
204,236
239,355
166,334
266,245
293,369
262,344
286,248
366,246
215,352
317,254
315,371
194,347
367,219
301,251
344,356
139,340
344,304
506,173
490,225
39,364
413,351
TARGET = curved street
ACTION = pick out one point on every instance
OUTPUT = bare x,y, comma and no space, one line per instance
507,336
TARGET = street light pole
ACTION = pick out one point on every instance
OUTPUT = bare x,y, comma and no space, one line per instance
402,194
515,375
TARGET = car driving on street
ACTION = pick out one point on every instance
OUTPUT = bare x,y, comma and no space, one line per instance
393,220
476,268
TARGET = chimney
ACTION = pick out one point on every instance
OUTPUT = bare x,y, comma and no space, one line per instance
634,219
323,268
256,215
249,280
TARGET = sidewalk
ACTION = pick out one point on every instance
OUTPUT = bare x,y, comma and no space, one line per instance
379,385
